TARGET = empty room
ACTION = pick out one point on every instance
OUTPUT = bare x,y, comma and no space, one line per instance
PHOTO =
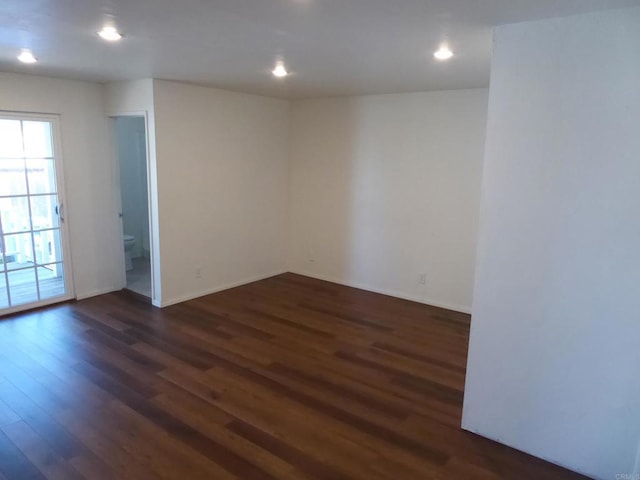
320,239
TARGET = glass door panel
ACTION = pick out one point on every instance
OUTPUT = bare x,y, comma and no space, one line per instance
41,175
12,178
37,139
23,287
43,212
51,280
18,251
33,264
11,145
14,213
4,299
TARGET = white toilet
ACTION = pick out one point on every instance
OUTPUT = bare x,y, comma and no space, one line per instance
129,243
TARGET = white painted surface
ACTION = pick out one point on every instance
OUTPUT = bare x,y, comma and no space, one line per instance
554,357
222,163
126,98
87,170
136,98
384,188
332,47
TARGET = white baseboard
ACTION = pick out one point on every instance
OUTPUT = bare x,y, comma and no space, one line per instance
185,298
220,288
391,293
546,458
95,293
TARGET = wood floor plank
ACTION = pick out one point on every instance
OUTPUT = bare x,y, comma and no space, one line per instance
295,425
14,465
100,441
286,452
217,430
7,416
58,438
36,450
287,378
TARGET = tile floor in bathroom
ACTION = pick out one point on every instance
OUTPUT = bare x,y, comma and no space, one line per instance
139,279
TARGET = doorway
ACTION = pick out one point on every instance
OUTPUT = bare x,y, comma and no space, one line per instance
35,267
131,152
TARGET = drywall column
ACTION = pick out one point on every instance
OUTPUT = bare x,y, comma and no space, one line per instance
222,160
554,355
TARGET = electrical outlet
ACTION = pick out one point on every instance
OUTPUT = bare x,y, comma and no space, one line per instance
422,279
198,272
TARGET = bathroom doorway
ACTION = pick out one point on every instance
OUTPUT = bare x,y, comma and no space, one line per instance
131,152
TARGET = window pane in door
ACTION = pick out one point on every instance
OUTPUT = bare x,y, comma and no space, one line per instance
12,178
4,298
10,139
37,139
43,212
48,246
41,174
51,281
2,258
18,251
22,286
14,212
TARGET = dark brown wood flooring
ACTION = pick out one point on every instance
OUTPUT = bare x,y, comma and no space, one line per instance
288,378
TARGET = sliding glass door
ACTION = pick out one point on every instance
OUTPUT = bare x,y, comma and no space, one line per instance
33,255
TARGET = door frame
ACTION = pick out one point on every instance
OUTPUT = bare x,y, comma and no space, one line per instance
67,260
153,254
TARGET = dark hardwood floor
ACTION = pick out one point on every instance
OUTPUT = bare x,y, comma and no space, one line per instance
288,378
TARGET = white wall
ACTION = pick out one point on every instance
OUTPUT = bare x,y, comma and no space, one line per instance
87,171
129,97
554,356
222,162
386,187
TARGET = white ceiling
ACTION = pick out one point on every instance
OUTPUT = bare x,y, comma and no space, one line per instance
333,47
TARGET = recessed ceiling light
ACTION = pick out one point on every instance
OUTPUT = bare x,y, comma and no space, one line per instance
280,70
110,34
443,53
27,57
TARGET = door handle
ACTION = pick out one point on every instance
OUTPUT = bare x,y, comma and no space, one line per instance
60,212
